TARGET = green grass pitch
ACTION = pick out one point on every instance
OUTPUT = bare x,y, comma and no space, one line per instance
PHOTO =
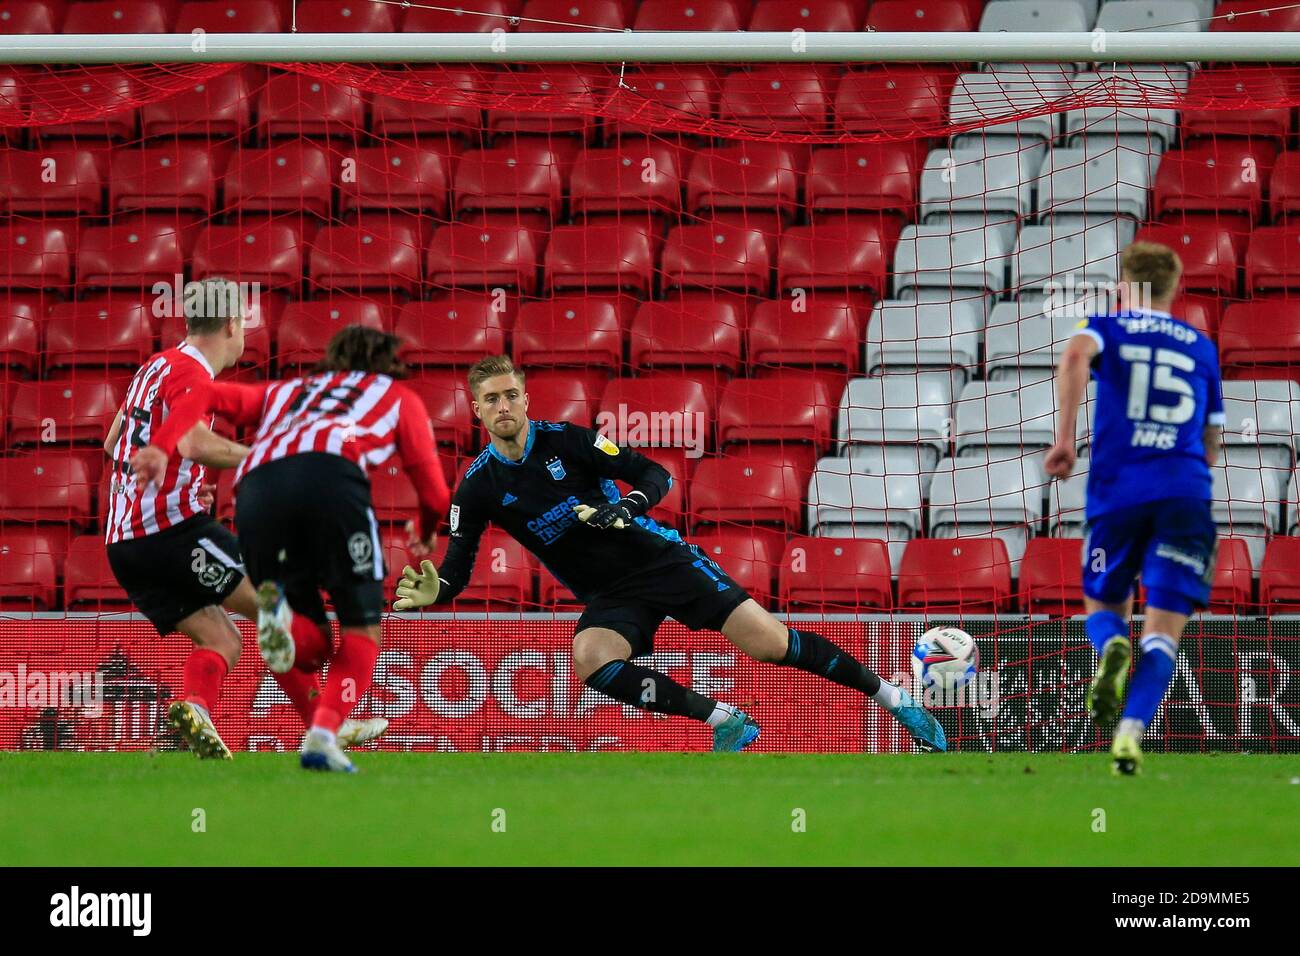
633,809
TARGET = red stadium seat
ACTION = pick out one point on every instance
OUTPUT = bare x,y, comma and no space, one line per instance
395,176
486,16
1250,84
453,332
28,572
463,255
504,574
46,489
1241,16
710,15
1207,251
561,99
104,91
559,396
19,337
788,98
292,104
821,334
573,330
683,404
1233,576
392,493
366,257
626,180
971,575
71,412
1219,179
45,181
1284,187
130,256
552,594
229,16
1273,259
98,17
823,16
1279,574
446,104
835,574
446,397
218,107
98,333
345,16
751,555
718,256
1257,335
897,16
267,252
293,176
263,318
164,177
27,17
863,177
36,255
607,256
759,485
305,328
791,405
756,176
662,96
1201,312
845,257
893,98
578,16
89,584
1051,577
671,509
519,176
686,335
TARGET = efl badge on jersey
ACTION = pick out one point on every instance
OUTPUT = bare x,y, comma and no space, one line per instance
556,468
453,516
607,446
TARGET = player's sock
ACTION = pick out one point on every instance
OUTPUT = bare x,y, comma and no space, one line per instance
203,673
311,644
1101,626
650,690
351,670
1151,677
813,653
303,691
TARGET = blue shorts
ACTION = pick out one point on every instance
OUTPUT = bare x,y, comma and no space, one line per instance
1169,543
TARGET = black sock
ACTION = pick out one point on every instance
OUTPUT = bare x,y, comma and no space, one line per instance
815,654
649,690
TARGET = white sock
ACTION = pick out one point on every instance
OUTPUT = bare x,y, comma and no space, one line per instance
889,696
1131,726
720,713
327,736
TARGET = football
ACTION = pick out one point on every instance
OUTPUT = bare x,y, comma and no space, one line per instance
944,659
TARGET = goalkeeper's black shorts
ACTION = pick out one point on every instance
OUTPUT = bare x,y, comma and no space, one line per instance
683,583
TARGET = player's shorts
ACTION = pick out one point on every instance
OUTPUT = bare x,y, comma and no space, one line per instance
170,574
683,583
307,522
1170,544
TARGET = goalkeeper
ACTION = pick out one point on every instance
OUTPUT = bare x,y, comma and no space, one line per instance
550,485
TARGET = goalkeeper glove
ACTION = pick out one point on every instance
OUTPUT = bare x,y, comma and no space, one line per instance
616,514
417,588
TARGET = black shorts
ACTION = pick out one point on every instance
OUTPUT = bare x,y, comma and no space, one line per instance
307,522
172,573
684,584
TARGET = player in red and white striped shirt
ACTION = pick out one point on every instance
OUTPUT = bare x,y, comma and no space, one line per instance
304,512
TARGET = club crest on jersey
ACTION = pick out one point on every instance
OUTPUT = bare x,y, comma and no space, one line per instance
556,468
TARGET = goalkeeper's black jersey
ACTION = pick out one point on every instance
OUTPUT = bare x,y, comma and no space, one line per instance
533,499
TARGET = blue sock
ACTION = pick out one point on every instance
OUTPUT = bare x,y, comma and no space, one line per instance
1155,669
1101,626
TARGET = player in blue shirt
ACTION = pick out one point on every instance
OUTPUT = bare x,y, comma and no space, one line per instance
1157,429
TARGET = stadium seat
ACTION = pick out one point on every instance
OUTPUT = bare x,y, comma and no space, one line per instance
503,574
1021,16
517,176
1231,590
91,334
445,106
788,98
19,338
1144,128
269,252
446,397
292,176
1049,257
689,334
1279,574
1252,85
36,255
229,16
577,16
28,574
663,96
1284,187
100,94
978,97
467,256
863,177
1151,15
396,176
1002,499
134,256
1208,253
848,258
50,490
67,412
750,555
1006,417
393,496
573,330
683,404
221,106
1051,578
835,575
1246,505
847,499
756,486
719,257
988,179
903,335
27,17
752,176
1067,503
305,328
293,104
1259,335
555,99
42,182
946,258
452,332
1273,259
557,395
671,510
366,256
1222,179
1254,16
1260,424
262,320
345,16
1201,312
791,405
1025,339
486,16
601,256
1078,181
893,99
626,179
894,16
818,335
970,575
164,177
99,17
907,409
89,583
711,15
